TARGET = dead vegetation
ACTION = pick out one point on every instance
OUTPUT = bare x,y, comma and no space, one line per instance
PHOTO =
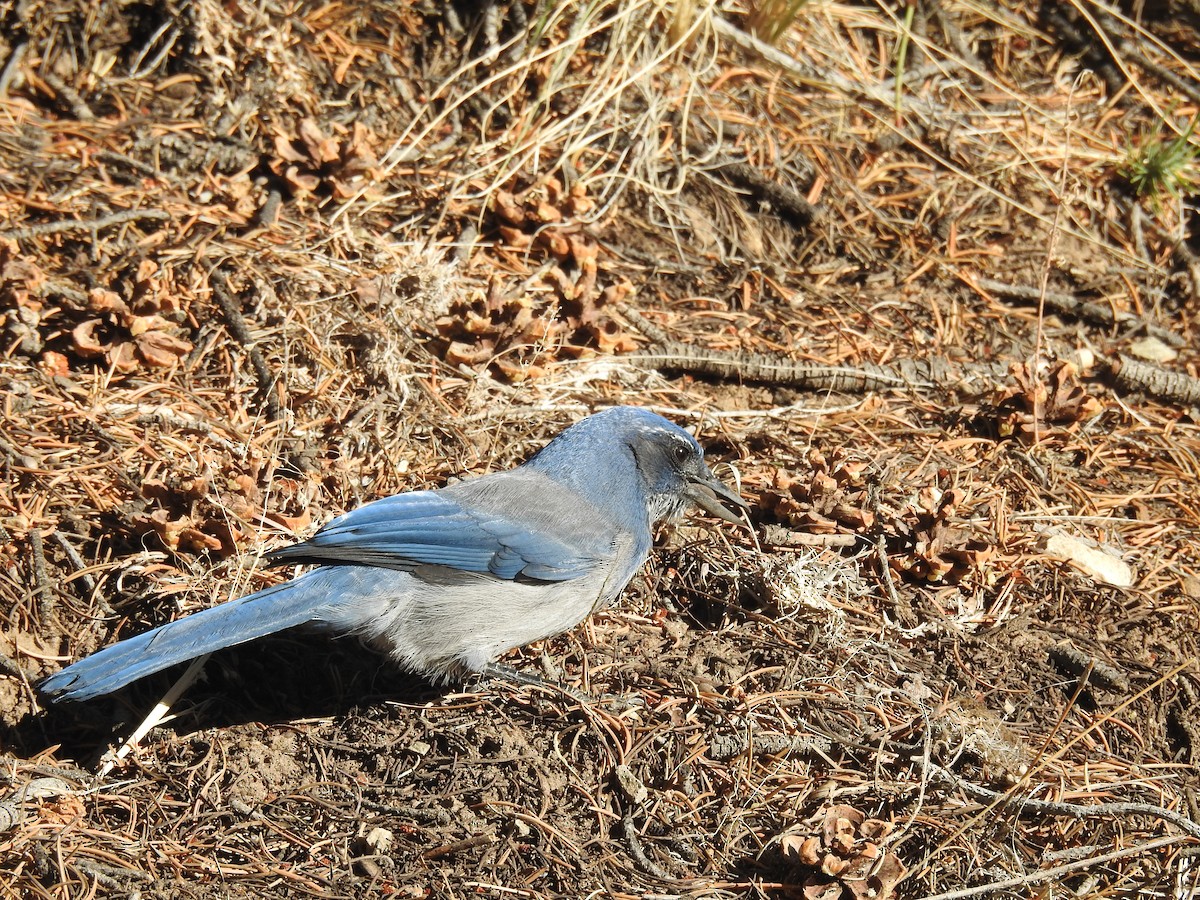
924,276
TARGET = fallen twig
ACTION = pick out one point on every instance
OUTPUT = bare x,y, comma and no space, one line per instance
241,331
75,103
43,592
1187,88
788,202
1042,875
11,667
908,374
11,65
778,536
1027,805
1097,313
86,580
647,865
63,226
1176,387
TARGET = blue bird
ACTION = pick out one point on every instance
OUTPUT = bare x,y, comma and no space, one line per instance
446,581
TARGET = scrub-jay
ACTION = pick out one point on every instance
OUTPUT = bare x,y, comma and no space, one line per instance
445,581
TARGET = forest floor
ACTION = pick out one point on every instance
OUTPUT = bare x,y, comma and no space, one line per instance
924,280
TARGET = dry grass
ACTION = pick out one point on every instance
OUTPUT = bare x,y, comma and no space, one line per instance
429,227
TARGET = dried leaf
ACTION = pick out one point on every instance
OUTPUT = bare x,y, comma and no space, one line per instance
291,524
459,353
515,238
286,150
54,364
193,539
105,302
139,325
556,244
160,350
834,865
875,829
841,825
881,883
810,851
505,206
611,339
301,182
829,890
793,846
123,357
321,149
83,339
64,809
545,213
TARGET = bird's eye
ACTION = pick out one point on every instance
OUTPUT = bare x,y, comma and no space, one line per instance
682,453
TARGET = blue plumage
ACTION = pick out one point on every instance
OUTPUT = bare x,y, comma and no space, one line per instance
434,528
446,581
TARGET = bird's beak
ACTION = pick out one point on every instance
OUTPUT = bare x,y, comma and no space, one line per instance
708,493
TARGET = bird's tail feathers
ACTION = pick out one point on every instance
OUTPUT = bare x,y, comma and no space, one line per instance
273,609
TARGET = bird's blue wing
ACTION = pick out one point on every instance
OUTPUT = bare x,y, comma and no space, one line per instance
510,529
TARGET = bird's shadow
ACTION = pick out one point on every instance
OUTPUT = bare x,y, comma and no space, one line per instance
282,678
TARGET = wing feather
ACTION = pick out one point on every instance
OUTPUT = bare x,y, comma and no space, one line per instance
510,525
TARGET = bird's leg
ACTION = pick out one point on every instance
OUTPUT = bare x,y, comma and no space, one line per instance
502,672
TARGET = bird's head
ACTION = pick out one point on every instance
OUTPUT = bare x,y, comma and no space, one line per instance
668,467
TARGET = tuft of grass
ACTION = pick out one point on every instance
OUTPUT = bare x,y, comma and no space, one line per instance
1158,168
769,19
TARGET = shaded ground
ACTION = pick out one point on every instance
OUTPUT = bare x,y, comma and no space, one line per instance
259,265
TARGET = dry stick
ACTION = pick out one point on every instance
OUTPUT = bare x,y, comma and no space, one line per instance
115,878
11,65
1190,262
1188,88
644,325
436,816
649,866
88,582
155,717
1073,661
12,668
85,579
238,328
793,205
112,156
1091,48
43,591
1131,374
75,103
767,369
63,226
1021,805
477,840
911,374
779,537
58,289
268,213
1058,871
1096,313
725,747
